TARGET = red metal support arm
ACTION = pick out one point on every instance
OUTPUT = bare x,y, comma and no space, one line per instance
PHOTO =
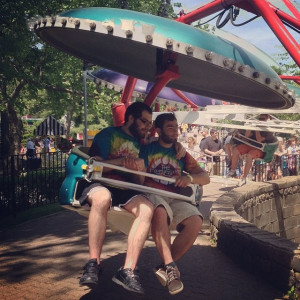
278,28
171,73
184,98
206,10
128,90
285,17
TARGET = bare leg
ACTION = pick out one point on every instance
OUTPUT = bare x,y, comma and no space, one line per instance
235,158
248,165
142,209
100,203
187,236
228,150
161,234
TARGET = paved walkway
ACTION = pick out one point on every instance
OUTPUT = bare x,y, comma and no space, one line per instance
43,259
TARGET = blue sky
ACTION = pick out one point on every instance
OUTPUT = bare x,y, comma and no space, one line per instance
256,32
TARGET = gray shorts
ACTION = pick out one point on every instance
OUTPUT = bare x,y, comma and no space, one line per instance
119,197
177,210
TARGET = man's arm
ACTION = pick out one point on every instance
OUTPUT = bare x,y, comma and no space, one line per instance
196,176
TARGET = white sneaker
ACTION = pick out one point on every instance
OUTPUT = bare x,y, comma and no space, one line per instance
231,173
242,181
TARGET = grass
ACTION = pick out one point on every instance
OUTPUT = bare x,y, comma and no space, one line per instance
30,214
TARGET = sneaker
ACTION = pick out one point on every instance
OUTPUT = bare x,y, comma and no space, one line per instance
129,280
91,273
231,173
242,181
174,283
160,274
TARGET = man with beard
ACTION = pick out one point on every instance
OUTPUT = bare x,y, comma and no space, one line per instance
119,146
160,159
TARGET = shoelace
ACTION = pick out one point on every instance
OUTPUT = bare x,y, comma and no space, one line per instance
91,267
132,274
171,274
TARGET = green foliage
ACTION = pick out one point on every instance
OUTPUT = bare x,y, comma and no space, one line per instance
291,294
38,79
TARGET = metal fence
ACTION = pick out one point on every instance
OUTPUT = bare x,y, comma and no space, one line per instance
30,182
280,166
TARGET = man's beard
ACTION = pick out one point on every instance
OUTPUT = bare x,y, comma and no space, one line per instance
166,139
133,128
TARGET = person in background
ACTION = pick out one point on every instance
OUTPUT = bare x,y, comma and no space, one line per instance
250,153
280,165
205,134
292,152
213,149
37,145
30,149
46,143
160,158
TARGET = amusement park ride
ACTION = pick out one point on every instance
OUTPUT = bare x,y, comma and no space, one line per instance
173,54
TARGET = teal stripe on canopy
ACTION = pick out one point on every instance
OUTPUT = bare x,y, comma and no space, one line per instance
177,31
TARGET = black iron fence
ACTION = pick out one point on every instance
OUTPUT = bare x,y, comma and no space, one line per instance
30,182
280,166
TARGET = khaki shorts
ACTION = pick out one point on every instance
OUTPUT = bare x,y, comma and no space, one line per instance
177,210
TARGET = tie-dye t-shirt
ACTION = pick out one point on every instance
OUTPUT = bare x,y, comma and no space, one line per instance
111,143
162,161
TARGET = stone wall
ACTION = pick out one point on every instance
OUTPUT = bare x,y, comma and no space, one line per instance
258,225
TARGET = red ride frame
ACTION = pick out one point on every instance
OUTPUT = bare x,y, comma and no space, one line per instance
272,15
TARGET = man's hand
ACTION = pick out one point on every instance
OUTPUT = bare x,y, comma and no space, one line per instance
136,164
182,181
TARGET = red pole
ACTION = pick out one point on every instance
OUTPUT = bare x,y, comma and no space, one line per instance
206,10
162,80
292,8
157,107
184,98
288,77
279,30
284,16
128,90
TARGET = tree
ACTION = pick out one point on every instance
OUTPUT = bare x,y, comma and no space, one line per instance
32,74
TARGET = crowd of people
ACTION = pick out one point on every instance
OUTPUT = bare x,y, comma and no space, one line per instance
36,146
221,154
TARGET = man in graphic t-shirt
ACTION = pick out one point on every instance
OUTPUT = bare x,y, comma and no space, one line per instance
160,159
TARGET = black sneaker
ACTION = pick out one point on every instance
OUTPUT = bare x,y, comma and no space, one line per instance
91,273
129,280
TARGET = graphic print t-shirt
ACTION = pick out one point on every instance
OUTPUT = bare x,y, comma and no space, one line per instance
111,143
162,161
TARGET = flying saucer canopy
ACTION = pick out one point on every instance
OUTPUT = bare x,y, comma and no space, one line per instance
143,46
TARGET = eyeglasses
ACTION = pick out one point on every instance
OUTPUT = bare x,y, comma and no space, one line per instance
146,122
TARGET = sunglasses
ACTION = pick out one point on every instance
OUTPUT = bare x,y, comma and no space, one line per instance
146,122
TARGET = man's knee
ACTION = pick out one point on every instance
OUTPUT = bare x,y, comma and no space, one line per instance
160,213
100,199
193,223
140,207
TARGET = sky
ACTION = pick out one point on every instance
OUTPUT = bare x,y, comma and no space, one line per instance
256,32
